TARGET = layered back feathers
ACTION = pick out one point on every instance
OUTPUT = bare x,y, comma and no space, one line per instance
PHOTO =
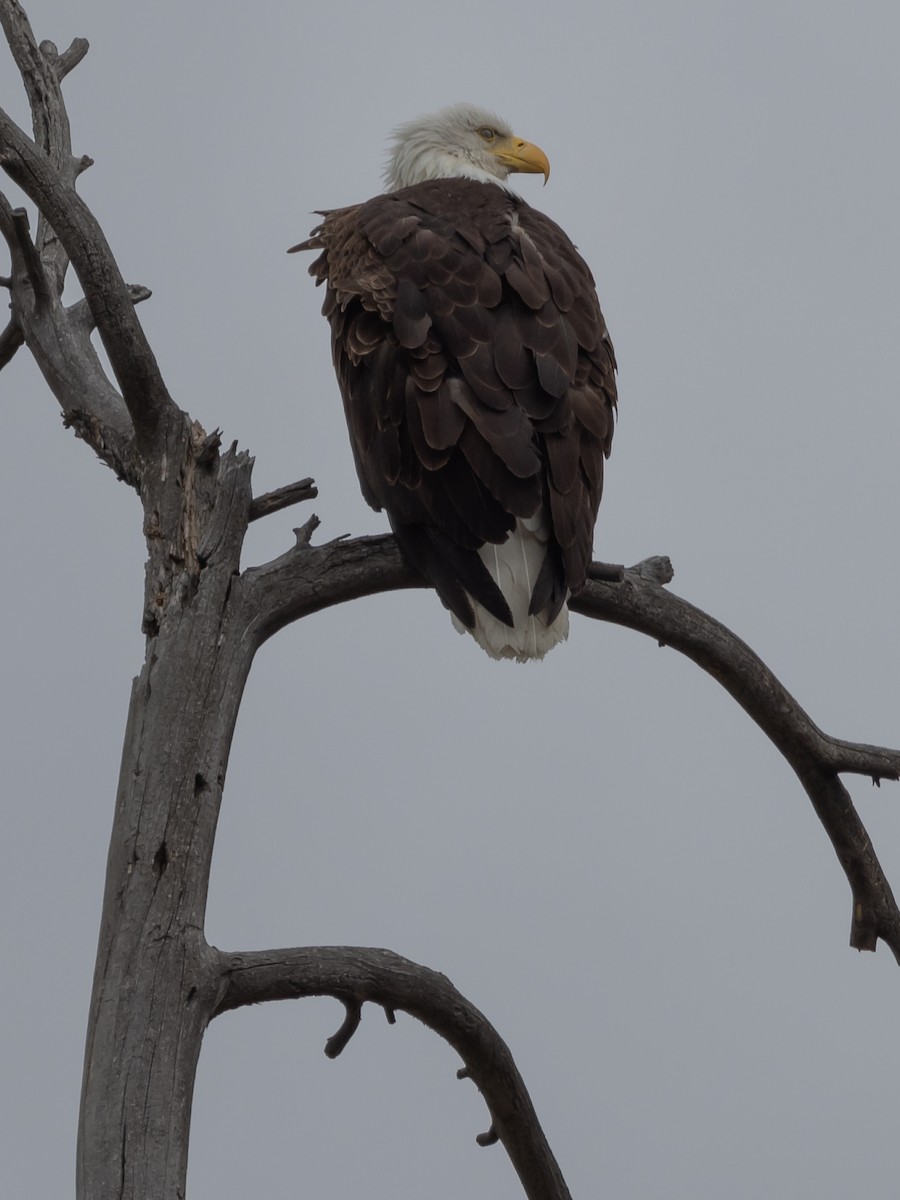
478,382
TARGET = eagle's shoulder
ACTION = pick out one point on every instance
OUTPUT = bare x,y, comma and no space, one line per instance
475,366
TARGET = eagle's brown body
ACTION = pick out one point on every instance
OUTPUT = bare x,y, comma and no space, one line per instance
478,384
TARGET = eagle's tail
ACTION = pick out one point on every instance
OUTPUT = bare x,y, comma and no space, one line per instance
515,566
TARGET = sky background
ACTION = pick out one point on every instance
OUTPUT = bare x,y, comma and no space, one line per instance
601,851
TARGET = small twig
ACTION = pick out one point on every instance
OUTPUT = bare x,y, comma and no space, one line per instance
390,1015
209,447
488,1139
607,572
352,1018
306,530
63,63
9,234
393,982
45,175
283,497
34,268
10,340
80,311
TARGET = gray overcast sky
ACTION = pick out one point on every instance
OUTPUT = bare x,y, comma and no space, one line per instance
602,851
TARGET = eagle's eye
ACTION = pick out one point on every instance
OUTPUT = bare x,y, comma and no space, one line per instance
487,133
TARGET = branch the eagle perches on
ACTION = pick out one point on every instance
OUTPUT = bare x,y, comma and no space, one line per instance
205,617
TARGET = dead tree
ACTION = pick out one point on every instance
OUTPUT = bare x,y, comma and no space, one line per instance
157,981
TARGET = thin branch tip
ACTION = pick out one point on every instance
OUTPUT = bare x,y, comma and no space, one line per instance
208,449
655,569
46,172
80,311
74,54
31,260
304,533
283,497
352,1017
63,63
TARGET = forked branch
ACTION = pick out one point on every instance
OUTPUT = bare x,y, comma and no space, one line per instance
46,170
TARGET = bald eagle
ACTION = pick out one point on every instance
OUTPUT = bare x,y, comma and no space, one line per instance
477,375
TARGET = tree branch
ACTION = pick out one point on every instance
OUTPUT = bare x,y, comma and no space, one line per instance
80,313
31,260
355,975
815,757
69,59
10,340
42,70
309,578
58,338
104,288
46,171
283,497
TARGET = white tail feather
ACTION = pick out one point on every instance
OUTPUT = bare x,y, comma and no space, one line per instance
514,567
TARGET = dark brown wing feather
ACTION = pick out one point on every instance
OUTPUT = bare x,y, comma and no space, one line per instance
478,379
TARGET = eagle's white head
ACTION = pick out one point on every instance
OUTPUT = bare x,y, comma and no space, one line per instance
461,141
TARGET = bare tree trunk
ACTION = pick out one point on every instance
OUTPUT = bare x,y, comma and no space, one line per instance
156,980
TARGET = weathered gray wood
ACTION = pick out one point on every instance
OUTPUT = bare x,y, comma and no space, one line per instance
355,975
364,566
46,171
157,983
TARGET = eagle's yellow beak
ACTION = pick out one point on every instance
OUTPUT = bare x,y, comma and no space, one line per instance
519,155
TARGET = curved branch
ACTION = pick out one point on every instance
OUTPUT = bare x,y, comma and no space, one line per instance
816,758
355,975
60,341
98,272
42,69
46,173
58,338
309,578
339,1041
